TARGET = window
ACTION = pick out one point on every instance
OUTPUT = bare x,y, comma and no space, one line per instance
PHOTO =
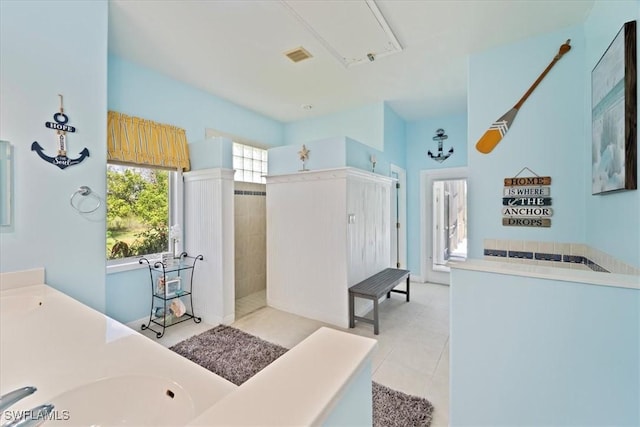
139,210
250,163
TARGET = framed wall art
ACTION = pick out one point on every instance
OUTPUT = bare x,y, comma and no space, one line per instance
614,115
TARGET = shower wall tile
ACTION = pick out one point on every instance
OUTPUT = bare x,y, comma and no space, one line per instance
545,247
250,233
516,246
561,248
530,246
502,245
490,244
578,249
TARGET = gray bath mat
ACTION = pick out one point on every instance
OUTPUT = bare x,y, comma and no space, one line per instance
237,356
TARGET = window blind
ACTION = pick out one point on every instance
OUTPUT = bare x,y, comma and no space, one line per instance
137,141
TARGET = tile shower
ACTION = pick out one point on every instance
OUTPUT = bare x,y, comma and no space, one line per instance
250,243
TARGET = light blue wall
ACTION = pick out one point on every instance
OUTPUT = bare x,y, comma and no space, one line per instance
327,153
128,295
359,156
50,48
612,223
364,124
355,406
211,153
139,91
323,154
529,351
420,140
547,135
395,137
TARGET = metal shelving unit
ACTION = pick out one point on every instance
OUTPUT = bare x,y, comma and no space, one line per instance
169,281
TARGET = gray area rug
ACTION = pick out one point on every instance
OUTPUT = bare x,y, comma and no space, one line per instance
237,356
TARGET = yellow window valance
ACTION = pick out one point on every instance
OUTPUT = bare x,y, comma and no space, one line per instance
132,140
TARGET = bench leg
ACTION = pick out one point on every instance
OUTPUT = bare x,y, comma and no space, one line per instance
407,288
376,328
352,320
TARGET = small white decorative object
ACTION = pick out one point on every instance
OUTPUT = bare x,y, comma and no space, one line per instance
175,234
304,156
172,286
167,258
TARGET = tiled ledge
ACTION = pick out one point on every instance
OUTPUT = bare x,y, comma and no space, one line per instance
553,254
548,271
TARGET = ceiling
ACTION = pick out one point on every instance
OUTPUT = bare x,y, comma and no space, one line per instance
234,49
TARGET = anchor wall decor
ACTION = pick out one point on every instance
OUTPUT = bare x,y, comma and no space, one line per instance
441,157
61,127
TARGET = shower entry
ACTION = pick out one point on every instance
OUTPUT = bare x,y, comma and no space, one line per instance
250,219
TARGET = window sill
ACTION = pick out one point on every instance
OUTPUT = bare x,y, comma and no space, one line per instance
124,266
441,268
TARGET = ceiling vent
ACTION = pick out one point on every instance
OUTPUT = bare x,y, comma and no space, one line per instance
298,54
354,32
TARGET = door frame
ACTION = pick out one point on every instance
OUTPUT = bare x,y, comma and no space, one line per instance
427,177
402,217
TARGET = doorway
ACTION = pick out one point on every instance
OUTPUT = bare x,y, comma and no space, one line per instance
449,222
443,221
398,217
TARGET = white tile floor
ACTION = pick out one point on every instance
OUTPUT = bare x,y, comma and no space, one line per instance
412,355
250,303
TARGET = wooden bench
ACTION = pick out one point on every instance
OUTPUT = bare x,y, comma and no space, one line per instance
373,289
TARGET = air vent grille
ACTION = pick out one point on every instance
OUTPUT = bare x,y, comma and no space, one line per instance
298,54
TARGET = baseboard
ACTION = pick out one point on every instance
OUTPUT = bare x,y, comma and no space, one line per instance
312,314
216,320
135,324
229,319
364,307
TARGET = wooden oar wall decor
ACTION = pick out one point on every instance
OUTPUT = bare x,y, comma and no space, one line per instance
500,127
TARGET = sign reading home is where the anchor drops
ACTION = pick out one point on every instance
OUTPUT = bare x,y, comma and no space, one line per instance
526,202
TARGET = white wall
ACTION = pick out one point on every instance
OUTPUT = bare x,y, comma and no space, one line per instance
313,253
369,236
209,231
306,245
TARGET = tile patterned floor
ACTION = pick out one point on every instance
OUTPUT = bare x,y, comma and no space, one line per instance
413,345
250,303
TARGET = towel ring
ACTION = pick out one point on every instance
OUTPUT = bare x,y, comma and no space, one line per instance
84,191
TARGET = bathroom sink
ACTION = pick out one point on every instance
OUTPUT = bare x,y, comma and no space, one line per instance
133,400
19,304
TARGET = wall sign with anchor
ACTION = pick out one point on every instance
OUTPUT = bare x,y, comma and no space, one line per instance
61,127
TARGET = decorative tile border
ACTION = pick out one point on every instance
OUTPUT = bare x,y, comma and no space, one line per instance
547,257
576,259
595,267
521,254
495,252
542,256
249,193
